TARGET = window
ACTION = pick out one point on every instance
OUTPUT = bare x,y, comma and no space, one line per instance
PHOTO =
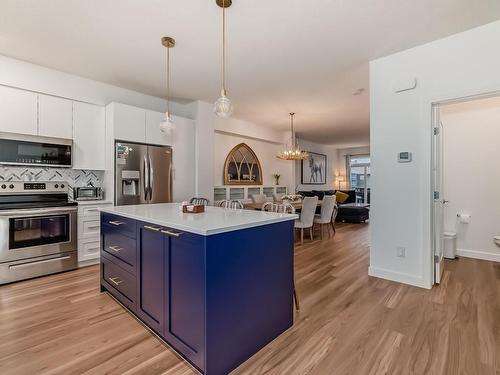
242,167
359,176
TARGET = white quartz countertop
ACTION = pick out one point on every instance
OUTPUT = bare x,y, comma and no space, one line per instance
92,202
214,220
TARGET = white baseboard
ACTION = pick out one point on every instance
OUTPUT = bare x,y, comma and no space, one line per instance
398,277
477,254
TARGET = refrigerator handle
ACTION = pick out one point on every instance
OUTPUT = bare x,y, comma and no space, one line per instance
151,178
146,178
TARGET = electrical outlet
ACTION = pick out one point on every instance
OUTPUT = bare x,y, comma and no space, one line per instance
400,252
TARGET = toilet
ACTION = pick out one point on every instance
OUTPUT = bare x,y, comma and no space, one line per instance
450,245
496,239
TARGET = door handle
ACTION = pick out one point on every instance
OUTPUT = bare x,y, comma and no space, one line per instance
151,178
146,178
28,264
170,233
115,280
154,229
116,223
445,201
116,249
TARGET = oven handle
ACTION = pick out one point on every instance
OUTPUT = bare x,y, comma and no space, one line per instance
41,211
27,264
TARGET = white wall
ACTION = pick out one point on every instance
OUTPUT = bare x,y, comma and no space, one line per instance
265,142
204,149
471,132
266,152
331,164
460,65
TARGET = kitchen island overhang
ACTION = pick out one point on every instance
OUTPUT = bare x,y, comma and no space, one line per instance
215,286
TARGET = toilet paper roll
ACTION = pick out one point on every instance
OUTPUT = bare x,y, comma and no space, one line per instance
464,218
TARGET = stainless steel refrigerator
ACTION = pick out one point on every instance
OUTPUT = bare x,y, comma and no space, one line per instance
143,173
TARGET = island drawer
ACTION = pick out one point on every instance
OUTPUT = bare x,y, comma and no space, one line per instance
120,248
121,284
125,226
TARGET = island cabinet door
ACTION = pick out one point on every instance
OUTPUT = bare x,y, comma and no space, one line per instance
185,315
151,278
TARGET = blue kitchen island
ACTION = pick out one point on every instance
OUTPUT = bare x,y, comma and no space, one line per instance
215,286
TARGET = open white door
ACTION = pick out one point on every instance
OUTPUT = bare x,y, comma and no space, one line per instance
438,202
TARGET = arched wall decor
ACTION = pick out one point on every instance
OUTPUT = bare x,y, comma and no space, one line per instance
242,167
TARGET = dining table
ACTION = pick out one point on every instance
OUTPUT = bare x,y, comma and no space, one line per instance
258,206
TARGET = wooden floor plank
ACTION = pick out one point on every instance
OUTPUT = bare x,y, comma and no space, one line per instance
349,323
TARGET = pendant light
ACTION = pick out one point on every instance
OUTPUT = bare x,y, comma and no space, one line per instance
223,106
291,150
166,125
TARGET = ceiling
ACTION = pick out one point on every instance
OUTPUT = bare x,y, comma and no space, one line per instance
283,55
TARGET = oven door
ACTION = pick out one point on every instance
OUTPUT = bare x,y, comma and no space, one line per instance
31,233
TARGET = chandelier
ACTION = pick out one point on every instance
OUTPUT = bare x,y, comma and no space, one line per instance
291,150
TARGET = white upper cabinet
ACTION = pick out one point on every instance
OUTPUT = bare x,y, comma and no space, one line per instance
18,111
88,136
55,117
153,133
183,134
129,123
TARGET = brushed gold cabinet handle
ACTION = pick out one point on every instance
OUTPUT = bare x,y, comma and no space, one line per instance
155,229
116,249
173,234
116,280
116,223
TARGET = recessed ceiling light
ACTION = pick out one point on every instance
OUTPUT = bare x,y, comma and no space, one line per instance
358,92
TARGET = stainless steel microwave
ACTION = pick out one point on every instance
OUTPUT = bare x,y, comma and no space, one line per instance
19,149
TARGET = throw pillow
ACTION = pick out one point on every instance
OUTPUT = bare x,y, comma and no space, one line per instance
341,197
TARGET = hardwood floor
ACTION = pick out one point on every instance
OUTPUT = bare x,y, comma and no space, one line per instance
349,323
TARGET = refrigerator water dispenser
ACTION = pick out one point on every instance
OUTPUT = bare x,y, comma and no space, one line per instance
130,183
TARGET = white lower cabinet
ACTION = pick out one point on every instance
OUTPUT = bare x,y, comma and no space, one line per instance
89,233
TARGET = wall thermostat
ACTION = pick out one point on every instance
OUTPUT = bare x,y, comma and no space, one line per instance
404,157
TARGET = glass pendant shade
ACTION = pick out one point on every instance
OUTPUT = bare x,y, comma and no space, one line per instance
223,106
166,125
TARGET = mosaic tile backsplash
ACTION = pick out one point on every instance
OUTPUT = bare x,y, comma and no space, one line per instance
73,177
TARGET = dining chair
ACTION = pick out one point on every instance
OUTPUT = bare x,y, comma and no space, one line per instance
233,204
199,201
286,208
270,207
334,217
258,198
325,217
306,220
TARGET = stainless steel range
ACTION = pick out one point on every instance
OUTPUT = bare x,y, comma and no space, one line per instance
38,230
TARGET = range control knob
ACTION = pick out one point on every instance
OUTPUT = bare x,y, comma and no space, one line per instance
11,186
4,186
62,186
56,186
